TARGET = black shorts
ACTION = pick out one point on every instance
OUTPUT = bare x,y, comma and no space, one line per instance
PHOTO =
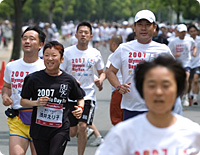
55,145
87,116
194,71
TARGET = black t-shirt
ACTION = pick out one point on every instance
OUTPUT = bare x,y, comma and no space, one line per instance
58,89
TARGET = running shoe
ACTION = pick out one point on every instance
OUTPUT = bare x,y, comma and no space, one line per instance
90,132
185,102
97,141
194,102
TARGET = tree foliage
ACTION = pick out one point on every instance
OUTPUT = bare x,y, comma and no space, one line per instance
58,11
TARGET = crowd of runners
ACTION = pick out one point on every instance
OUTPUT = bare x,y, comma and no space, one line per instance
54,99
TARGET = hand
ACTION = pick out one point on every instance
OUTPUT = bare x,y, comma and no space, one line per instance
98,83
125,88
194,54
7,101
77,112
79,82
178,54
42,101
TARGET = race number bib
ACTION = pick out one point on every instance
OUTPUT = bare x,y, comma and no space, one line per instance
50,115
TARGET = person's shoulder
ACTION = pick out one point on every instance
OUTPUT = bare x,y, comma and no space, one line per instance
93,50
15,62
188,38
67,49
187,123
159,45
131,123
67,76
36,74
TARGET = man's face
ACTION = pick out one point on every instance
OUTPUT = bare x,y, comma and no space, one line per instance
182,34
30,41
83,35
144,31
193,32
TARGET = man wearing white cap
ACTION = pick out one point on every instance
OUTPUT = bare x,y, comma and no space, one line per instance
182,47
126,58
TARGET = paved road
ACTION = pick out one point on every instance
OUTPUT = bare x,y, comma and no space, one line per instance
101,119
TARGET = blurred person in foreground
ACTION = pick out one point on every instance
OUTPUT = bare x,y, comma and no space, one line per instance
159,131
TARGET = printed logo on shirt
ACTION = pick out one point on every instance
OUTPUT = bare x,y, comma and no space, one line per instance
63,90
169,151
179,48
17,80
134,59
82,66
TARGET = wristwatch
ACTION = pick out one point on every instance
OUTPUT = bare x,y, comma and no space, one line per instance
118,87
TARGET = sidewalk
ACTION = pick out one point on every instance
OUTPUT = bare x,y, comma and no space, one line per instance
5,53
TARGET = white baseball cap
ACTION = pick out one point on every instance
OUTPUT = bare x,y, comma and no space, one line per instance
181,28
145,14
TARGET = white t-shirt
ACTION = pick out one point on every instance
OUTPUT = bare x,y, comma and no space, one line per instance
14,74
81,65
126,57
195,61
137,135
119,75
185,47
95,33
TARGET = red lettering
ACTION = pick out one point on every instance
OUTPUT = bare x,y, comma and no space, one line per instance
16,73
130,54
79,60
12,74
76,60
165,151
146,152
137,153
27,73
72,60
155,152
144,54
21,73
139,54
134,54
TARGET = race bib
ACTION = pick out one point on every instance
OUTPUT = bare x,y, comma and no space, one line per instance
50,115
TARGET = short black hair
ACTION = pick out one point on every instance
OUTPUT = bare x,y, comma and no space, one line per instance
192,26
41,34
166,61
84,23
56,45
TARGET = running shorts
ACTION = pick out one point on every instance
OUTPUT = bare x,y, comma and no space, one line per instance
18,128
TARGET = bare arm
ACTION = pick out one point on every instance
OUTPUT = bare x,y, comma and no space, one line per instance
194,53
99,81
114,81
79,109
29,103
6,93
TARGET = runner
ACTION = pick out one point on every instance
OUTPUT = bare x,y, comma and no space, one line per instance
81,61
48,91
128,55
182,48
19,118
195,66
